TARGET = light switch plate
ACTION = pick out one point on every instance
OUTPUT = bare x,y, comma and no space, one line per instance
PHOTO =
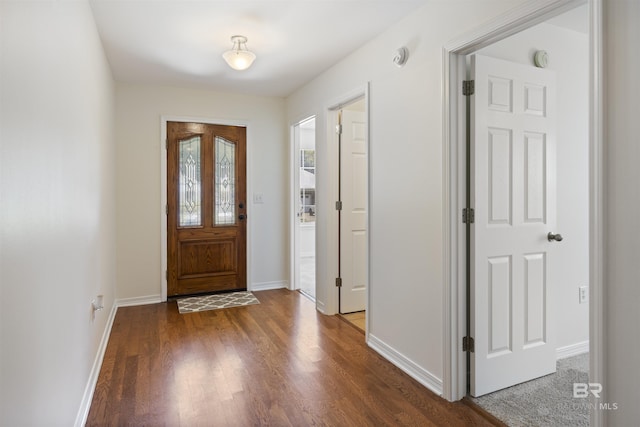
258,198
583,294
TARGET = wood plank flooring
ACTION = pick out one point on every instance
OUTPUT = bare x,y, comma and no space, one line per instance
278,363
357,319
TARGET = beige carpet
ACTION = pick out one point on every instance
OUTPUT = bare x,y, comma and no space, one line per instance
544,402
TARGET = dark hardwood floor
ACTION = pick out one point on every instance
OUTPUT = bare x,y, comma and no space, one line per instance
278,363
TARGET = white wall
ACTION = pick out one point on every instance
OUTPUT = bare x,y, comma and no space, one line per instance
622,238
308,239
138,122
406,278
307,138
569,59
57,197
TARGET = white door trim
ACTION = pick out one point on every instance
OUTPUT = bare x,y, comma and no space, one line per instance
163,190
294,196
454,174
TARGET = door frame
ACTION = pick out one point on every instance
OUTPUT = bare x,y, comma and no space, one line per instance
333,240
337,114
326,195
163,190
522,17
294,197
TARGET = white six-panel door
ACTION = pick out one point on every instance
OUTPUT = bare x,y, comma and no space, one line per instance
514,197
353,227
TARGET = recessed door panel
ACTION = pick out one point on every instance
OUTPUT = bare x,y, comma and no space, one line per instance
535,99
207,257
500,179
500,94
535,165
535,299
500,322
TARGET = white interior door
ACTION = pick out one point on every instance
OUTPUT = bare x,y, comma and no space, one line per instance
353,217
514,197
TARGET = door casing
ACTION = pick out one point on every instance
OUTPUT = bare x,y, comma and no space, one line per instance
294,162
454,184
326,151
163,190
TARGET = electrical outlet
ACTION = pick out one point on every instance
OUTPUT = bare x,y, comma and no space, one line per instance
258,198
583,294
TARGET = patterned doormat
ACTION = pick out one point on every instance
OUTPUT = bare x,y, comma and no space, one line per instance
215,302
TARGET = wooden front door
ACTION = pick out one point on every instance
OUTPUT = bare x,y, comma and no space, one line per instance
206,191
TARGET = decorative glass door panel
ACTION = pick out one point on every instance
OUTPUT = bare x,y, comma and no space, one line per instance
206,222
225,184
190,192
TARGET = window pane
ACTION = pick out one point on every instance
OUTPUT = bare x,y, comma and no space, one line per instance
225,182
307,205
308,158
189,204
307,185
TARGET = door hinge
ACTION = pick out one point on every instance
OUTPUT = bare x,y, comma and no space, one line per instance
166,144
339,205
468,87
166,209
339,129
468,344
166,275
339,282
468,216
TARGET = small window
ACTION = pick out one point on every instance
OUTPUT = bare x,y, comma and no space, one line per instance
307,185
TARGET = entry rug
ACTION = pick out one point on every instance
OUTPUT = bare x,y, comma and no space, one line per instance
215,302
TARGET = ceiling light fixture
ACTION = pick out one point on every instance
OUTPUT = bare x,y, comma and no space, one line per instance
239,57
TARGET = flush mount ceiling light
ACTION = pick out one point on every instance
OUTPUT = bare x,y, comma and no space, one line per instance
239,57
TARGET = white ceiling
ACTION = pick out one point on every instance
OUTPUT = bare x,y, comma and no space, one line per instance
180,42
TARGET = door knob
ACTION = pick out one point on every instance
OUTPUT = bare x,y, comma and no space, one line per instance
554,237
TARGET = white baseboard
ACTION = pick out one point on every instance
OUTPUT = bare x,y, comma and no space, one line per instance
320,307
572,350
408,366
149,299
87,397
266,286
